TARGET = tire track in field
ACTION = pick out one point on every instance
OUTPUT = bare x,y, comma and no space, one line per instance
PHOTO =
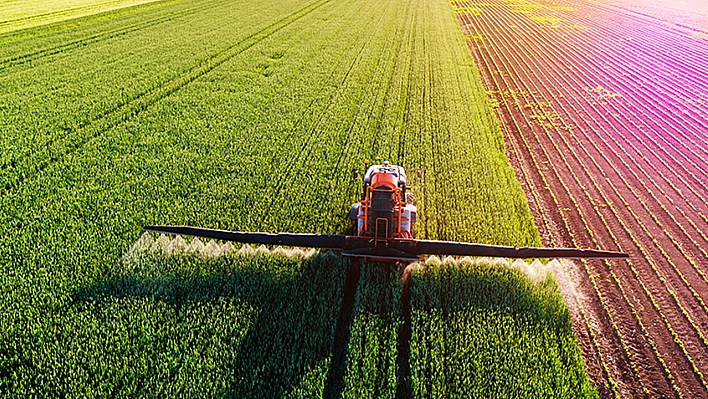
319,104
109,119
370,107
7,64
334,384
404,383
314,133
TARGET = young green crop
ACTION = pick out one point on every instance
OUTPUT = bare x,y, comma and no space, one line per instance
372,368
249,116
195,325
23,14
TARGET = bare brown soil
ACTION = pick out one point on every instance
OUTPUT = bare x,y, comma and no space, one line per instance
605,114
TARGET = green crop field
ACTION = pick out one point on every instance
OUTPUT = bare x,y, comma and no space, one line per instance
22,14
251,115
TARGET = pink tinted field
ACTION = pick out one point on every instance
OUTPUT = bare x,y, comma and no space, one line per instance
605,111
691,14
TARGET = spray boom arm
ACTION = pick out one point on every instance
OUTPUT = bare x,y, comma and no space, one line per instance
386,249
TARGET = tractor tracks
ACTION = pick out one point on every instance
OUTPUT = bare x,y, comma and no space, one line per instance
331,93
362,302
114,116
334,385
404,384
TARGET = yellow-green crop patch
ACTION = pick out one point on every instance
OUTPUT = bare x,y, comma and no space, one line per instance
22,14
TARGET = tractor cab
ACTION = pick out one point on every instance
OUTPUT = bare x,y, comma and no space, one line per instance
396,171
383,212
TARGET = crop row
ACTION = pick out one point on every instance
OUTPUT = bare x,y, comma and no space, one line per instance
276,338
581,186
649,234
26,14
372,367
536,166
479,327
590,160
49,127
678,272
53,40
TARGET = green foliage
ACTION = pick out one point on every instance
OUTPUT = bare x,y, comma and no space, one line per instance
227,114
482,331
371,354
256,326
23,14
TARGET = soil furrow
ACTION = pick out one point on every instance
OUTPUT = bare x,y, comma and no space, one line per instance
612,338
679,319
622,199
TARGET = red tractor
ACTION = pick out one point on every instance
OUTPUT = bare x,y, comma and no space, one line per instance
384,221
386,210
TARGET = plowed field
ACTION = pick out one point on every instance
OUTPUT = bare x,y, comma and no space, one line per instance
605,112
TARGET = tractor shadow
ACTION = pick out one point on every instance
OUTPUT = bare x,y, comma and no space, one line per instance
487,287
295,310
508,306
